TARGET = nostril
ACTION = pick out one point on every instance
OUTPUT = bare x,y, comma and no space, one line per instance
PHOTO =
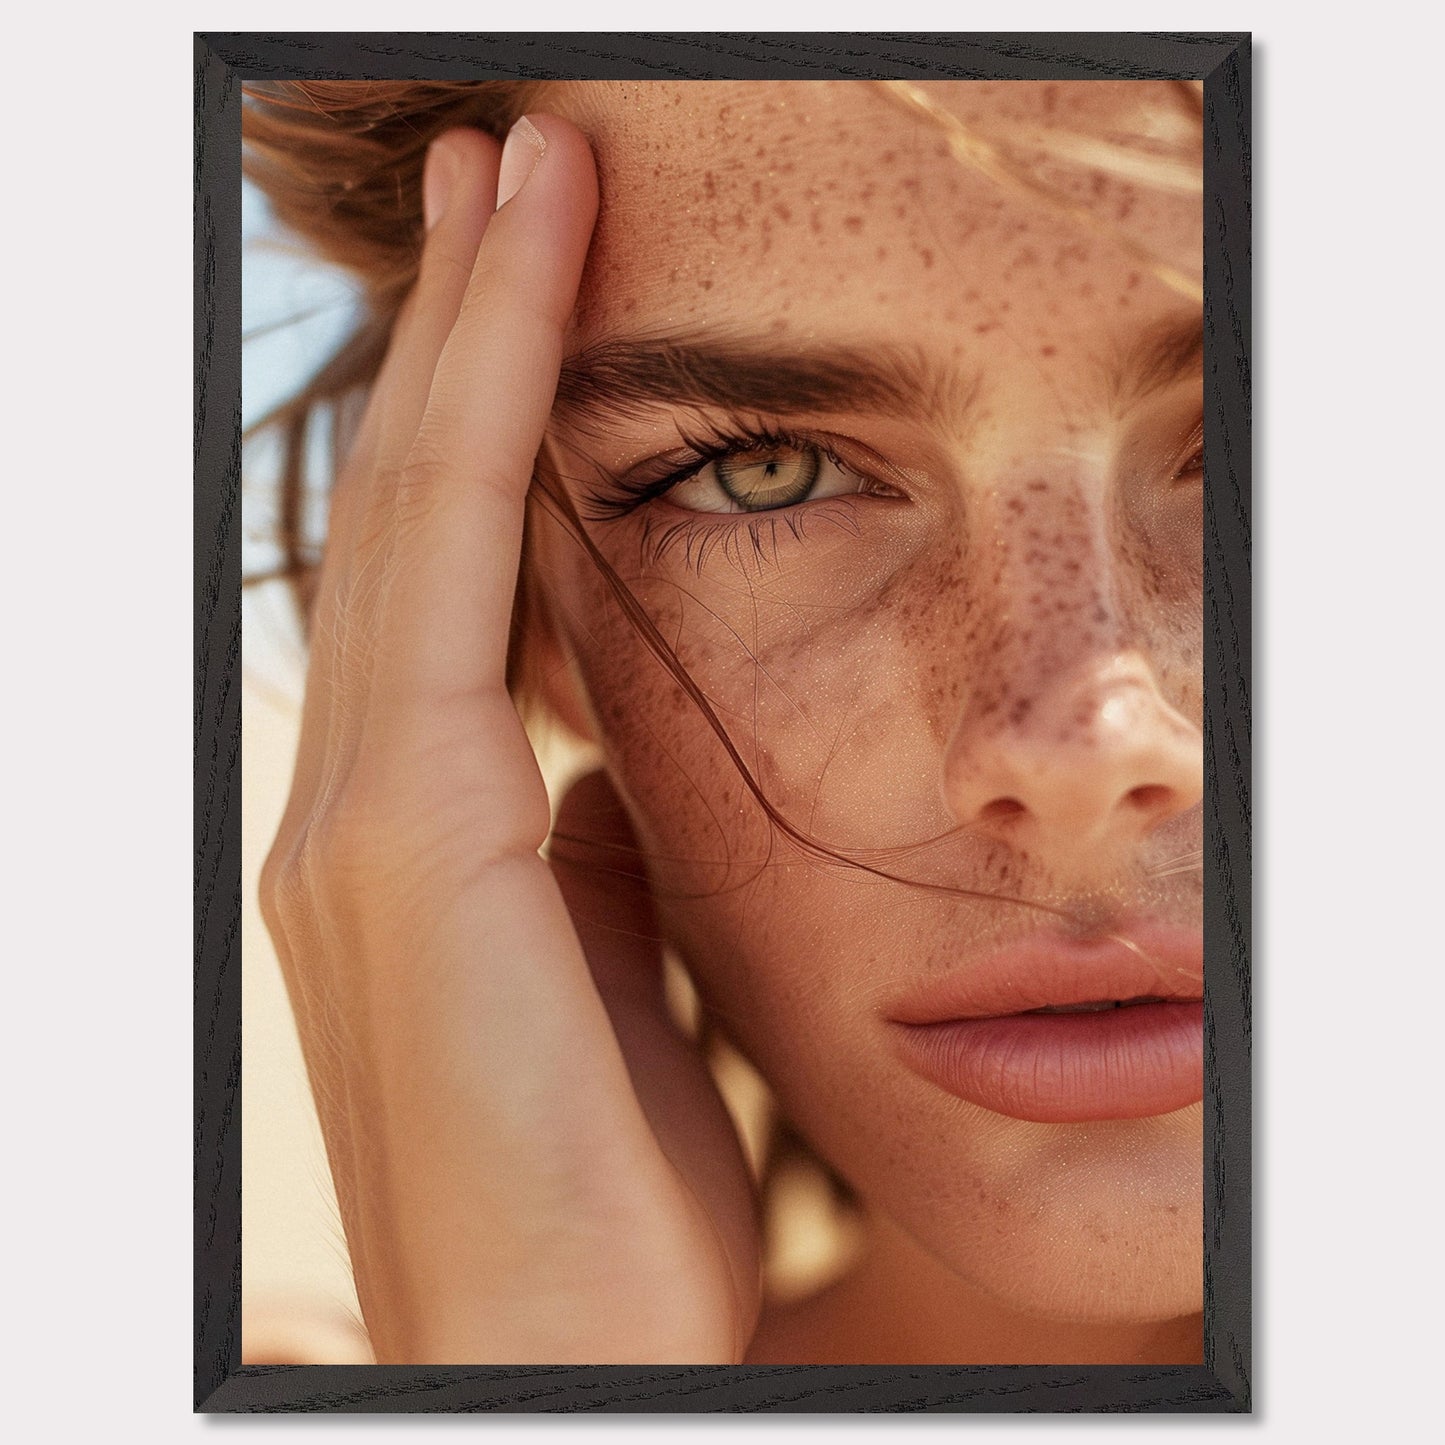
999,809
1149,797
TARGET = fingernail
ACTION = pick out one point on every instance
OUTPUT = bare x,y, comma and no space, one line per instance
524,147
438,178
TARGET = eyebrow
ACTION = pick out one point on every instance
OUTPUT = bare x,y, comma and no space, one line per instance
626,376
1164,354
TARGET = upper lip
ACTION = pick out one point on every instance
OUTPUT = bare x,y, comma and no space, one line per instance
1051,969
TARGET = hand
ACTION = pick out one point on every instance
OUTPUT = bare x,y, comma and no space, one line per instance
531,1163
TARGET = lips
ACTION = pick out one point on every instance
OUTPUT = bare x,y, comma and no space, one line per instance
1062,1030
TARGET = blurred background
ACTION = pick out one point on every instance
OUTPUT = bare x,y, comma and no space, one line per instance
297,1300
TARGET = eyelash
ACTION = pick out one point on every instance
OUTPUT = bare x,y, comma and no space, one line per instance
741,537
1192,454
752,538
734,437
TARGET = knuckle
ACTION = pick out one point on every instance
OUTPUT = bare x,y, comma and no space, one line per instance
422,481
425,486
442,269
503,289
420,477
490,278
526,322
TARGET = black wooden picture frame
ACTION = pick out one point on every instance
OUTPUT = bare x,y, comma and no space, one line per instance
1222,1383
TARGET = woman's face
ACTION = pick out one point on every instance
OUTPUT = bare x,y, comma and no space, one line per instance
931,552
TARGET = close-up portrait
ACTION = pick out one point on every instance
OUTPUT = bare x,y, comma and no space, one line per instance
725,722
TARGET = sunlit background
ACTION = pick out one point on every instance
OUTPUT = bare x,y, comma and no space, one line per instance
297,1296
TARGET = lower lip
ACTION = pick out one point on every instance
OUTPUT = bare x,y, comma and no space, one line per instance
1118,1063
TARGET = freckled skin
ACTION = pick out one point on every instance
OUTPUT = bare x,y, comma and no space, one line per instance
873,672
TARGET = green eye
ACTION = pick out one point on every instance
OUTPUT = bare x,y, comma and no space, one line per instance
777,477
764,476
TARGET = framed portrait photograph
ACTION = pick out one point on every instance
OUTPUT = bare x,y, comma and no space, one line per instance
723,675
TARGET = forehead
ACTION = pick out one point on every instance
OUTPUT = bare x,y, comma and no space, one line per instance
829,207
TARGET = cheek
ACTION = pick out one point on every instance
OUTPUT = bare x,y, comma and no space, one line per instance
695,816
1162,588
834,683
809,702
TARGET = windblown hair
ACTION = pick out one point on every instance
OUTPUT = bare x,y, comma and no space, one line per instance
341,165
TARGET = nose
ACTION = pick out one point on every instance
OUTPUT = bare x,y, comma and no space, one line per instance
1095,758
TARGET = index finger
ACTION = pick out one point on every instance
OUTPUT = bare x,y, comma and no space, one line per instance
452,571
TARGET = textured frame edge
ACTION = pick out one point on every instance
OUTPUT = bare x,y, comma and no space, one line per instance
1223,61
